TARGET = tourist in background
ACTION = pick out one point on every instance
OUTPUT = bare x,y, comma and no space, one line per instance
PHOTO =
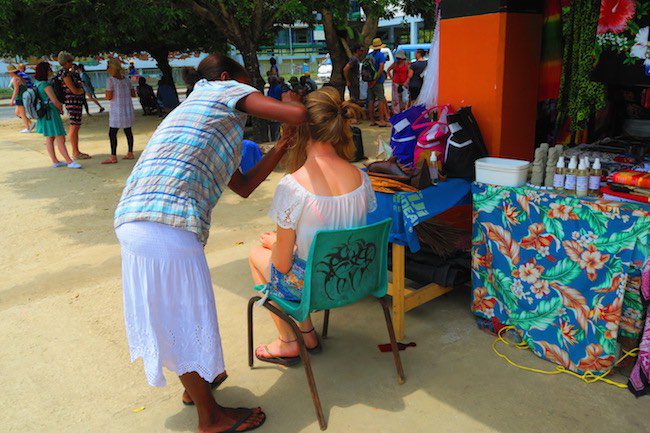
22,72
398,72
74,100
376,87
87,84
51,125
351,73
416,76
19,87
273,70
275,92
307,82
119,92
148,99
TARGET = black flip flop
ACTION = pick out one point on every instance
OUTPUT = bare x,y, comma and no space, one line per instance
213,385
235,426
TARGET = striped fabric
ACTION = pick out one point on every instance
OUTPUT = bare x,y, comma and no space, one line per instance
188,161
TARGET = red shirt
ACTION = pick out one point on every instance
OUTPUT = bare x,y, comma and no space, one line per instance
400,73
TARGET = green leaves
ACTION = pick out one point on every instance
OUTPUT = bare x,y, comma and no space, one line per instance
565,271
625,239
541,318
553,226
488,201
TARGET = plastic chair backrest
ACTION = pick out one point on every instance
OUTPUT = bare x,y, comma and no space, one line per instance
347,265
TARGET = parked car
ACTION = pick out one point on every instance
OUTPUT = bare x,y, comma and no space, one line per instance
325,68
410,50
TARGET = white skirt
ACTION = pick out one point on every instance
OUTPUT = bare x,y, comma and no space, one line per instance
169,307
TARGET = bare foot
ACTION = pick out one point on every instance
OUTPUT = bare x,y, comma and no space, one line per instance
111,160
289,349
187,400
227,418
129,156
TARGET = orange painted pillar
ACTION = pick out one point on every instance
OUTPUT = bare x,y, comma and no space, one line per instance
489,59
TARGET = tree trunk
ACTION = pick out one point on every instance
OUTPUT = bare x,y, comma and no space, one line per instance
260,130
337,51
161,55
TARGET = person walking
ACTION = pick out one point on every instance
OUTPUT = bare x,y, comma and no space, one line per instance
351,72
163,222
416,76
74,100
376,87
51,125
398,72
88,87
19,87
119,92
22,72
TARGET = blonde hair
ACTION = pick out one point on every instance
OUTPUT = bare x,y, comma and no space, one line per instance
64,57
329,122
116,65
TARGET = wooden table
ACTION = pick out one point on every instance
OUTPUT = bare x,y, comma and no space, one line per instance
406,298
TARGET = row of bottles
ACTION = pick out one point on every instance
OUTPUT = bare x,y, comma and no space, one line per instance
578,178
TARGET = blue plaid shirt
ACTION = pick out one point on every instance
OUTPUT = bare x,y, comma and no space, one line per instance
188,161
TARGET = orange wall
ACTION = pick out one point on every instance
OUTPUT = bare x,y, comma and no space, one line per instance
491,62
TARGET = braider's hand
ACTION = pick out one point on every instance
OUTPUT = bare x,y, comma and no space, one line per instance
289,133
291,96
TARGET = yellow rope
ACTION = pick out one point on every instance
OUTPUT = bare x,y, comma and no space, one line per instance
587,377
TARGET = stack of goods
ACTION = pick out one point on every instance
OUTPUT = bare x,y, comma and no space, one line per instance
543,167
628,185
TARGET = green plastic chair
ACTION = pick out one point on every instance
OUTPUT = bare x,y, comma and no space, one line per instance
343,267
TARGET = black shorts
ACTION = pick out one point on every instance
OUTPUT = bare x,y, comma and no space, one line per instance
414,92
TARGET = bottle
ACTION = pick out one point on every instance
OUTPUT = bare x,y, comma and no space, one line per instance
570,178
594,178
560,174
582,180
433,167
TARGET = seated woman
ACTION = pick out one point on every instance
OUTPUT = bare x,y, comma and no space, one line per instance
147,97
323,192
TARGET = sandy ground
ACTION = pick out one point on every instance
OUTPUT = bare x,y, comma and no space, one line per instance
64,362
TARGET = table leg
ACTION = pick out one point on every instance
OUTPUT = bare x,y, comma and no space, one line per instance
398,292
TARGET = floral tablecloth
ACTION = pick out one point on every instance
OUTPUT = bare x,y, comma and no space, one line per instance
558,269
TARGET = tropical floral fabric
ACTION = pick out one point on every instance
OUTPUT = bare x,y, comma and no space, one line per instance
557,267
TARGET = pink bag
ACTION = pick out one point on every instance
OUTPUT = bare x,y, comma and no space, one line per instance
433,137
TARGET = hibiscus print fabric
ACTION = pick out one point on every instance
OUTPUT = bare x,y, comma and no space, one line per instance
558,269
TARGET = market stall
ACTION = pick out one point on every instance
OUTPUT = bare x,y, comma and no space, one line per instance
564,271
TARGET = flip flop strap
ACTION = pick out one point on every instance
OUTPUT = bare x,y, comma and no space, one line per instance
240,421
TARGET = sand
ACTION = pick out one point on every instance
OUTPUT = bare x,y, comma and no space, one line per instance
64,361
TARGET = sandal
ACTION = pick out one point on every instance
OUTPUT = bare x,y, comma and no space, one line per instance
82,156
287,361
213,385
110,161
316,349
129,156
249,413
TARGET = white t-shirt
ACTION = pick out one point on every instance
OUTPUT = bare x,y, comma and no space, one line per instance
294,207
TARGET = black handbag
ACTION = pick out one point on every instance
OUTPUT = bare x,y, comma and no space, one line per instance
358,144
464,146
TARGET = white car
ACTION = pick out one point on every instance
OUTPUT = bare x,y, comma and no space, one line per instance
325,68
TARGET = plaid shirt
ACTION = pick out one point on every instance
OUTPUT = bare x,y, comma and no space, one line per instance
188,161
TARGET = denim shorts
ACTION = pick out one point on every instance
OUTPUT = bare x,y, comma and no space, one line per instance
288,286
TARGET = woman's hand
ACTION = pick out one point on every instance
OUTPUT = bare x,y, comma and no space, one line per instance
12,103
268,239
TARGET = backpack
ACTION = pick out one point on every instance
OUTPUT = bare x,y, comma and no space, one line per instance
35,107
464,146
59,88
369,71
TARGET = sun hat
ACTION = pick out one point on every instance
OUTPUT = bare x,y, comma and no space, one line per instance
377,44
400,55
11,69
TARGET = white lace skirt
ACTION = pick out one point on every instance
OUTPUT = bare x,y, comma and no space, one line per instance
169,307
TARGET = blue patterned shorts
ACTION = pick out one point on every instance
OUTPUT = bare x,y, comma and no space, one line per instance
288,286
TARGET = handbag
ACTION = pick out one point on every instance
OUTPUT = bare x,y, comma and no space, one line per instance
464,146
434,135
403,137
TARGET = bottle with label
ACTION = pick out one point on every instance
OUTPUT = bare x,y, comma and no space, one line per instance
433,167
570,178
582,180
594,178
560,174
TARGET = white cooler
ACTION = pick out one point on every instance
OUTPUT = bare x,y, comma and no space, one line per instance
502,171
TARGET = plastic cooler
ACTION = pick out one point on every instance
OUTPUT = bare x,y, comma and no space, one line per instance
502,171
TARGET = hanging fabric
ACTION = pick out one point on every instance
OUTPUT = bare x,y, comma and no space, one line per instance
429,93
